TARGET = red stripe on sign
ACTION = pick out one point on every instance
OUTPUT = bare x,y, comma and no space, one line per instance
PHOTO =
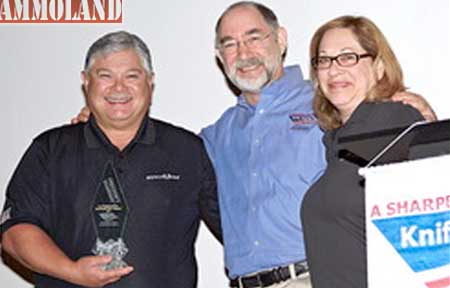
440,283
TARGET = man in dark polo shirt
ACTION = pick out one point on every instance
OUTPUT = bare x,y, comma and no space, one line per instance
122,184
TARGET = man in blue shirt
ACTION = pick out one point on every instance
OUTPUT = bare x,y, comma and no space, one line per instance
267,150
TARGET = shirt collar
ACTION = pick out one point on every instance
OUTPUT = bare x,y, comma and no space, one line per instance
292,74
359,115
95,138
359,118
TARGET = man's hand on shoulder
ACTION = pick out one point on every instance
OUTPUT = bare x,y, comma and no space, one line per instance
83,116
416,101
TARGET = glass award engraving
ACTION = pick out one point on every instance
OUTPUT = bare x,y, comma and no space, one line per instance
110,213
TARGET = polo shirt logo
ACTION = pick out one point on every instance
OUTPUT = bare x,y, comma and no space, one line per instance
163,176
302,120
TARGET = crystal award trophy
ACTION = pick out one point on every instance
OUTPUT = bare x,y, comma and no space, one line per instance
110,213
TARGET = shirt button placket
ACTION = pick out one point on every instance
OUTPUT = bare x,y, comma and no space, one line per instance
255,145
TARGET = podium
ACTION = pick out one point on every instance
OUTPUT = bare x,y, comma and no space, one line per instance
407,190
408,223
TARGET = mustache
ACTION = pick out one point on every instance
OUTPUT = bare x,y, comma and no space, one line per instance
118,97
243,63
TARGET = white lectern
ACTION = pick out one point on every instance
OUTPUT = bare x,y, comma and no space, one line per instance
408,223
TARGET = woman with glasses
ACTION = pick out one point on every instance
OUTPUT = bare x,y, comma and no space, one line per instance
354,72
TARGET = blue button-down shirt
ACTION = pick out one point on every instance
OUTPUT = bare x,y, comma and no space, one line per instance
266,157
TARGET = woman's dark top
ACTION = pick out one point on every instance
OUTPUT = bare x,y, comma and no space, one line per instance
332,212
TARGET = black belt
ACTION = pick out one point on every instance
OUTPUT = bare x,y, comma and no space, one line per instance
269,277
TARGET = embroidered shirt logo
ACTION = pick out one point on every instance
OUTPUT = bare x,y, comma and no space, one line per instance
301,120
6,215
163,176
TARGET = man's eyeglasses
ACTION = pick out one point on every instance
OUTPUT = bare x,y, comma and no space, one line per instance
344,60
253,41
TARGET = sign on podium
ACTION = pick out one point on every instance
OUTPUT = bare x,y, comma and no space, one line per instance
408,223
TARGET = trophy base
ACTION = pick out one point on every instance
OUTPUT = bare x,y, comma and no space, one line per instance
114,248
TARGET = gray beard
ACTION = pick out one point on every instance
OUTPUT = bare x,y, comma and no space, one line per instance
253,85
250,85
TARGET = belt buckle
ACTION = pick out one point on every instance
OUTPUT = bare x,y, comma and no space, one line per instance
258,280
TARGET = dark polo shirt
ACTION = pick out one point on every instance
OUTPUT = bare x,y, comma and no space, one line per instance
168,182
